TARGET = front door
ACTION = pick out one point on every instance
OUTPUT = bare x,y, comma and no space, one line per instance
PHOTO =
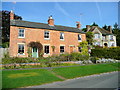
71,49
35,52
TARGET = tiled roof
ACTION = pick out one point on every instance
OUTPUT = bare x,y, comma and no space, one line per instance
103,31
28,24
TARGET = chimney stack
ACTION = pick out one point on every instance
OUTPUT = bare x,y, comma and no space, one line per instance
51,21
88,27
110,29
78,25
11,15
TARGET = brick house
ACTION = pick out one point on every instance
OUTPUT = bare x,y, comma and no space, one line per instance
48,38
102,37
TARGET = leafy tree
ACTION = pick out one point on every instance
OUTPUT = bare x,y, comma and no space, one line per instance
84,46
89,37
6,25
105,27
116,31
94,24
115,26
84,29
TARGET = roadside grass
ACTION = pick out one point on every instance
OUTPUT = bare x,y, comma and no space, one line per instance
22,78
79,71
31,77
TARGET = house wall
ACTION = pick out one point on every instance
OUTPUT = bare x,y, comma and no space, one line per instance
107,40
32,34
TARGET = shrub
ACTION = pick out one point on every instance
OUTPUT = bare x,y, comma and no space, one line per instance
113,53
78,57
94,59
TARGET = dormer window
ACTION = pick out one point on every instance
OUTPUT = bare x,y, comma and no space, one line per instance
61,36
21,33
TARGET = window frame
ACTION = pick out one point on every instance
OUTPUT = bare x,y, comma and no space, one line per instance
23,50
79,49
62,33
45,35
21,33
63,49
111,37
45,50
96,36
79,36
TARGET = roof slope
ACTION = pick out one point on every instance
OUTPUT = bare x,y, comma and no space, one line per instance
103,31
28,24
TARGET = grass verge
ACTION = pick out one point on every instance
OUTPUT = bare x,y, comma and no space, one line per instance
78,71
22,78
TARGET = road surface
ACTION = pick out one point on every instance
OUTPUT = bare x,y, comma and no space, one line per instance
105,80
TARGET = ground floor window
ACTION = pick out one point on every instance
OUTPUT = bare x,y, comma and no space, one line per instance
46,49
61,49
80,49
20,48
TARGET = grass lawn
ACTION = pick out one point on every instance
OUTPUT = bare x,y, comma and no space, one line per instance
21,78
78,71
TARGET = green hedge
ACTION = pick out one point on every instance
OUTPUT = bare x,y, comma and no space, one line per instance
113,53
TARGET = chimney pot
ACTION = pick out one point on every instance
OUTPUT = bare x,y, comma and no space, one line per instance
51,21
78,25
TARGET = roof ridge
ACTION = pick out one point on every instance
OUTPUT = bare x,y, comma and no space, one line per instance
42,23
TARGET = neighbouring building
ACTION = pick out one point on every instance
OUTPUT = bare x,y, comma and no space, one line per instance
32,38
102,37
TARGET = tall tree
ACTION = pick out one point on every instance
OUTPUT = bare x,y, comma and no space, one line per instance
105,27
6,25
94,24
116,31
89,37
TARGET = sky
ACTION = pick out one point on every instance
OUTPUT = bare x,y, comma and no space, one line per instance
66,13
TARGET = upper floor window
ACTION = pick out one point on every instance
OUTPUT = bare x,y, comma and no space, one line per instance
20,48
111,37
61,49
97,36
21,33
46,35
103,37
61,36
79,37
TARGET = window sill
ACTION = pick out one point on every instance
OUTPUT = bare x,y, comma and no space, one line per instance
20,54
46,38
79,40
62,52
62,39
46,54
21,37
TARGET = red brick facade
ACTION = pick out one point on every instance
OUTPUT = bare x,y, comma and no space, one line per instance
37,35
32,34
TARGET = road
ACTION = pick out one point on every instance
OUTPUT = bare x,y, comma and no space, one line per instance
106,80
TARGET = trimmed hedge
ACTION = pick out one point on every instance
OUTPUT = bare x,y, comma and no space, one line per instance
113,53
